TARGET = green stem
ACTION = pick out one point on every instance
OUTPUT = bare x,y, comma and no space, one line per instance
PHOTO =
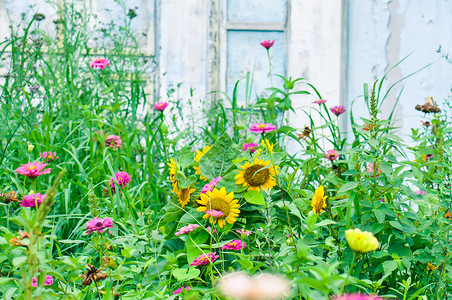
270,66
349,272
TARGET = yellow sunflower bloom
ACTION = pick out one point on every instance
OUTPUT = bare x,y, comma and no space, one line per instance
173,169
318,200
257,175
267,146
183,196
361,241
199,154
219,200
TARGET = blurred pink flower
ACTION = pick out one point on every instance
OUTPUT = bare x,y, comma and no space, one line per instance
370,170
262,127
179,290
267,44
214,213
357,297
209,230
382,200
48,155
331,154
320,101
98,224
234,245
113,141
29,200
337,110
420,192
33,170
250,146
244,232
211,185
160,106
122,179
187,229
99,63
48,281
205,259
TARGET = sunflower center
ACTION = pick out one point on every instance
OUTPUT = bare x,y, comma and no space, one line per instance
256,178
219,205
184,193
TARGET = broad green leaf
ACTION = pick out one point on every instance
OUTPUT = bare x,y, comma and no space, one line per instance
184,274
254,197
379,215
348,186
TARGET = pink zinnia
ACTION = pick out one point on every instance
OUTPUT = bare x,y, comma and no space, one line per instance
267,44
33,170
187,229
209,230
122,179
179,290
205,259
331,154
320,101
214,213
370,169
420,192
211,185
160,106
262,127
244,231
337,110
99,63
234,245
357,297
250,146
48,281
98,224
48,155
29,200
113,141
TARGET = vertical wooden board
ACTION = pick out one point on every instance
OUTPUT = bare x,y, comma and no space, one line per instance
274,11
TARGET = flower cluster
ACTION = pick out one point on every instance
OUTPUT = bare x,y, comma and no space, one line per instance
160,106
179,290
100,63
318,200
113,141
205,259
121,179
361,241
337,110
250,147
211,185
234,245
49,156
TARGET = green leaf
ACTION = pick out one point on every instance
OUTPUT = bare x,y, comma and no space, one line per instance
348,186
186,160
325,223
219,158
254,197
186,182
184,274
389,266
379,215
400,249
386,168
396,225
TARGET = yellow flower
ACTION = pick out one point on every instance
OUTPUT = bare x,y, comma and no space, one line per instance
318,200
257,176
199,154
173,169
361,241
431,267
267,146
219,200
183,196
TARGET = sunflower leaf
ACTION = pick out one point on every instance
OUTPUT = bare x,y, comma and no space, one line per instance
254,197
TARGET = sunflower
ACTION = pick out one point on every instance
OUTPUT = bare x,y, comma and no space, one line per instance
183,195
173,168
257,176
318,200
199,154
219,200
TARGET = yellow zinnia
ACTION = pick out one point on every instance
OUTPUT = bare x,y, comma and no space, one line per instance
431,267
318,200
361,241
219,200
257,176
183,196
199,154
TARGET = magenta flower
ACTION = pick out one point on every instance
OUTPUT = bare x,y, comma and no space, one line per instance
48,155
48,281
214,213
331,154
209,230
211,185
267,44
187,229
250,146
98,224
122,179
179,290
205,259
262,127
160,106
29,200
99,63
420,192
357,297
244,232
33,170
234,245
113,141
382,200
320,101
370,170
337,110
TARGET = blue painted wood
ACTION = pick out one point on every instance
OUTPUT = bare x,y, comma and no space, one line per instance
257,11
